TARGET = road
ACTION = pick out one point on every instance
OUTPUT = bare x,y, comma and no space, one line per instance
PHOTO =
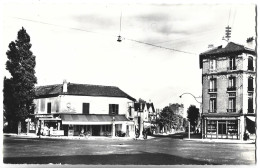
156,151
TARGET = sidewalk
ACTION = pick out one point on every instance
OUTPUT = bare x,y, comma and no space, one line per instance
222,140
31,135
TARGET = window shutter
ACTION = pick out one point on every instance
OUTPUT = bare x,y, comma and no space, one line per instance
250,105
116,109
49,108
110,109
85,108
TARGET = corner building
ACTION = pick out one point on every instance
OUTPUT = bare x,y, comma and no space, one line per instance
228,91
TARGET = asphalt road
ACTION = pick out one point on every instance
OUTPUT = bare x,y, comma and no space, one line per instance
156,151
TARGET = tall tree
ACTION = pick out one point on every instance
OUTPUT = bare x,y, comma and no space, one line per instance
169,119
19,89
193,115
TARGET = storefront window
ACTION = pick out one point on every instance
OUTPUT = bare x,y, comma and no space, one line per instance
232,129
211,127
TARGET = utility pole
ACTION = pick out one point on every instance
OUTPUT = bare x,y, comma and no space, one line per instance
228,33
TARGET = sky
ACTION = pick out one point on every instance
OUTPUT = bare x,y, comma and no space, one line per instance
158,58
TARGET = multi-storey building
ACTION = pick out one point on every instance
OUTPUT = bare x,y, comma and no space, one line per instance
71,109
228,91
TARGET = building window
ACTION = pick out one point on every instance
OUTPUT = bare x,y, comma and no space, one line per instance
212,64
232,63
113,109
231,105
49,108
250,64
213,85
250,84
213,105
231,84
250,105
211,127
130,111
106,128
85,108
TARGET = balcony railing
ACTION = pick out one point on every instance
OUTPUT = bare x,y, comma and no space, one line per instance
250,111
212,110
231,110
213,90
232,68
250,89
231,88
250,68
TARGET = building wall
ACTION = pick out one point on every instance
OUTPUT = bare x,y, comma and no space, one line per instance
70,103
222,74
41,105
222,65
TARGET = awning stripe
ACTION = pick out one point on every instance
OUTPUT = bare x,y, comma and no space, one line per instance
91,119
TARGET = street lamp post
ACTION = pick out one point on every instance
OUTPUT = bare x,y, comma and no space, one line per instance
199,111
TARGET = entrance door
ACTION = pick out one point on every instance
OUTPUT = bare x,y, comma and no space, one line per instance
95,130
222,130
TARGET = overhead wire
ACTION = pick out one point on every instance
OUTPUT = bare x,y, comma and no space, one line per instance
78,29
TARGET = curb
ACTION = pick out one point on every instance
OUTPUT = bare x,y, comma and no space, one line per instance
33,136
221,141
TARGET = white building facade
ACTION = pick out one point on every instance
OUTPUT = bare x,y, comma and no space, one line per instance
78,109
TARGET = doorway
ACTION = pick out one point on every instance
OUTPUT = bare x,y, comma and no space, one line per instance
95,130
222,129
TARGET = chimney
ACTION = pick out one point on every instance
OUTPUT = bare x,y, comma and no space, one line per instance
210,46
250,43
65,86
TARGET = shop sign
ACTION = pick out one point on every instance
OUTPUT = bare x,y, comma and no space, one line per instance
42,115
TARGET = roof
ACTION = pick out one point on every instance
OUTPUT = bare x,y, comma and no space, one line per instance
231,48
91,119
82,90
150,105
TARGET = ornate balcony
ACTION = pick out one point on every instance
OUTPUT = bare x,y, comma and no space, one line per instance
231,89
212,90
231,110
232,68
250,111
212,110
250,89
250,68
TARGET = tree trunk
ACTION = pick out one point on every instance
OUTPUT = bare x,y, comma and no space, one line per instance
19,127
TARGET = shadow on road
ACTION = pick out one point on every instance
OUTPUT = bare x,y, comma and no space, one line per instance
180,135
113,159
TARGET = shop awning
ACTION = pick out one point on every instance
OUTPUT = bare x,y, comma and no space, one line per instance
91,119
252,118
50,119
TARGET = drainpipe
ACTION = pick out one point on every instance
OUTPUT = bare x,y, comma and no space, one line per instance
113,127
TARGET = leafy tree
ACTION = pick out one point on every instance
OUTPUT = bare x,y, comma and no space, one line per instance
19,89
169,119
193,115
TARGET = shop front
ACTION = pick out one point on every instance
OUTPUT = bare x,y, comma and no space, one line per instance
96,125
48,125
222,128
